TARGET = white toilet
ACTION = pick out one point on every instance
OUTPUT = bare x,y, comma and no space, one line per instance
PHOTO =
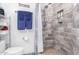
11,50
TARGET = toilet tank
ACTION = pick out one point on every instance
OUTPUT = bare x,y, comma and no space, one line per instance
2,46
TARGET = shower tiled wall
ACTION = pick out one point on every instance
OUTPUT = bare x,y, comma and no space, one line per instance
59,35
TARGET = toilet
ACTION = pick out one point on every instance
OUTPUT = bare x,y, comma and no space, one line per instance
11,50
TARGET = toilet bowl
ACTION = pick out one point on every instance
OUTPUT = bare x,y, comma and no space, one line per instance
13,51
10,50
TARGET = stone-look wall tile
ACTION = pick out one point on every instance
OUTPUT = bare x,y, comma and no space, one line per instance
59,36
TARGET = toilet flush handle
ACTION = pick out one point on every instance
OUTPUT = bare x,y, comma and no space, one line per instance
25,38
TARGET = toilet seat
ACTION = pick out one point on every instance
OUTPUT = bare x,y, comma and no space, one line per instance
13,51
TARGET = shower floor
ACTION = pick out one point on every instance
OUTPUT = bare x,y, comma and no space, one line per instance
50,51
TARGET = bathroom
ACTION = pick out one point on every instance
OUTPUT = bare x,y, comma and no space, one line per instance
39,28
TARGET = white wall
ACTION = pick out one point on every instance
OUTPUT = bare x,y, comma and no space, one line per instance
40,38
16,38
